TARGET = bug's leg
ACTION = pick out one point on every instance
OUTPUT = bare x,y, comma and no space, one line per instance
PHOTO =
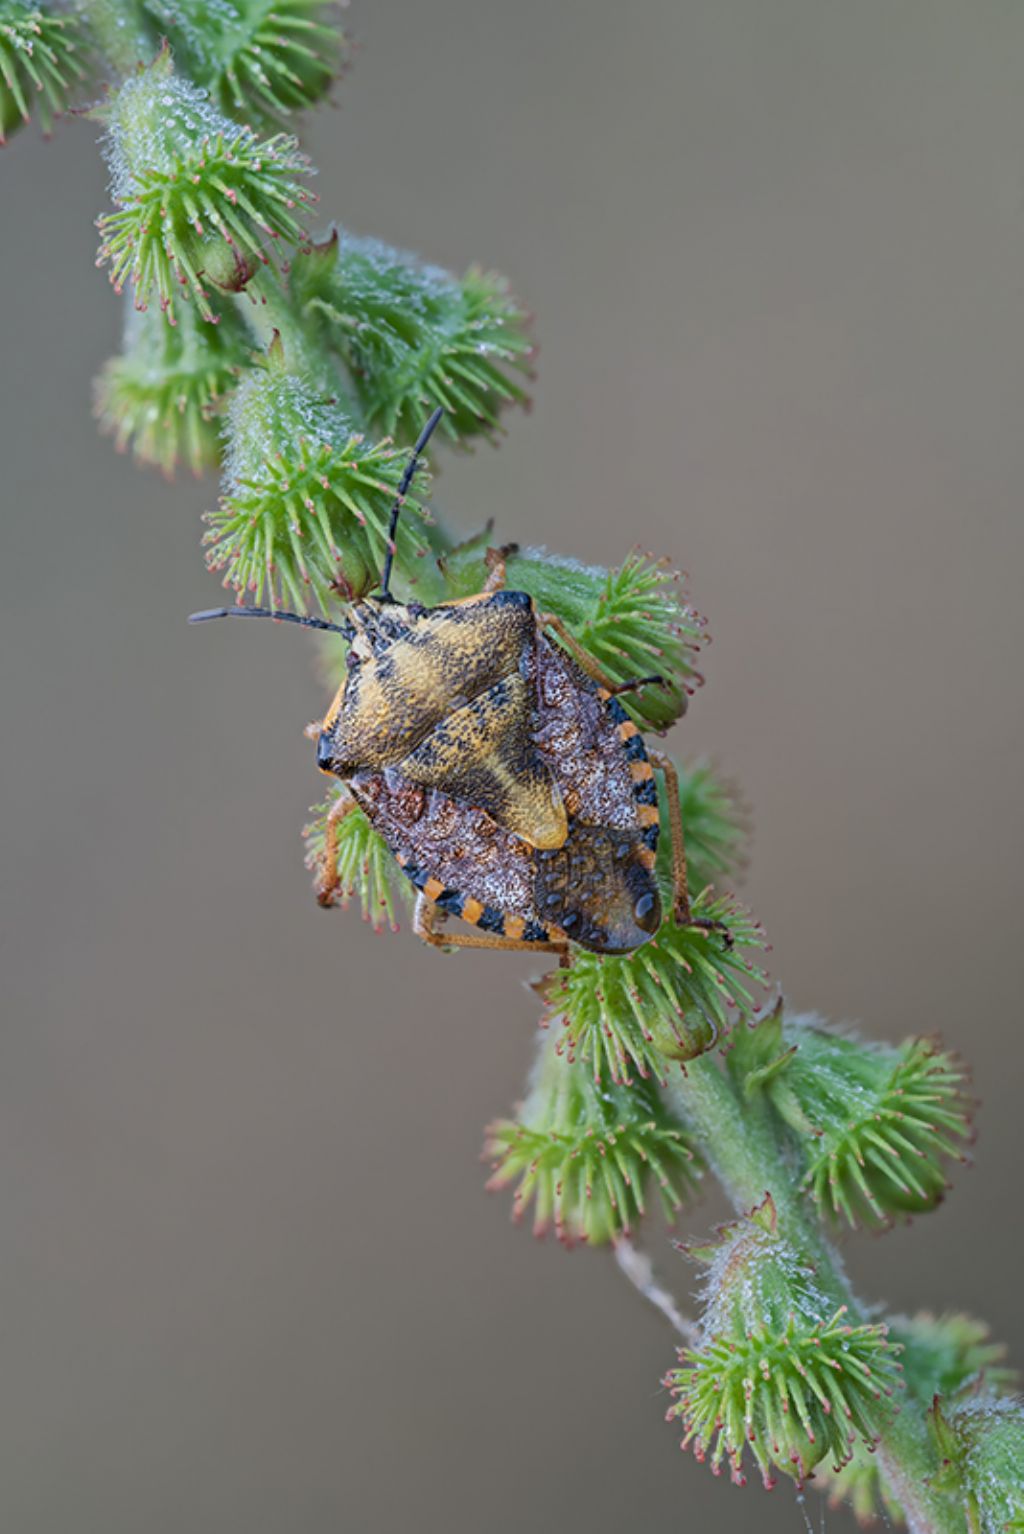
634,684
681,913
424,925
681,903
610,688
495,562
326,882
576,650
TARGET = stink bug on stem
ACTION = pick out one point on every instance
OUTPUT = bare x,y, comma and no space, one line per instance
491,753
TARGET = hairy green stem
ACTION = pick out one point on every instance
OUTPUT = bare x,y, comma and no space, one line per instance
268,312
742,1145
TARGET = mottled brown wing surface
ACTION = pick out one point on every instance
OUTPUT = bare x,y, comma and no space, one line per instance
457,856
591,745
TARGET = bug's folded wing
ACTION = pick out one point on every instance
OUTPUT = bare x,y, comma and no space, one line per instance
483,755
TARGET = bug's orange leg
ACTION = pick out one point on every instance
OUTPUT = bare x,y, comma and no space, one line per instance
326,883
610,688
681,903
495,562
681,913
577,651
424,924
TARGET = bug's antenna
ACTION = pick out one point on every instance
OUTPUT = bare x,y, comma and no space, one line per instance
266,612
406,481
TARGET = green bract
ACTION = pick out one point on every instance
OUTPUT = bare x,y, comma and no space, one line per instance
306,502
672,999
414,337
261,60
981,1445
194,190
778,1371
877,1123
584,1155
366,869
949,1356
159,396
41,55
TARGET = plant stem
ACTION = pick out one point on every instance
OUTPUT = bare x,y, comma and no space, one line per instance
743,1145
637,1267
268,312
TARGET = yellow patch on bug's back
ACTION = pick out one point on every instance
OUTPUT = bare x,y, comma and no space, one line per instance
641,771
433,889
627,729
647,814
483,754
331,716
515,926
472,910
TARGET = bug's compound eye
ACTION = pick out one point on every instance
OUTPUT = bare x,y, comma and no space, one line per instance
324,752
646,912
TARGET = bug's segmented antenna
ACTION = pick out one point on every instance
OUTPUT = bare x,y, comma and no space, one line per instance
406,481
267,612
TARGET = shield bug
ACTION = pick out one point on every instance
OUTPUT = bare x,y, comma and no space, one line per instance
493,756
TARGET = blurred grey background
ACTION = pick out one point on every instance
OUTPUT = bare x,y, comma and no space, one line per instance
250,1279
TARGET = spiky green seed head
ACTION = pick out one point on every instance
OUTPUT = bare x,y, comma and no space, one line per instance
587,1157
303,518
778,1372
161,395
634,620
878,1124
414,336
198,196
367,871
670,1000
981,1448
42,55
262,61
949,1356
